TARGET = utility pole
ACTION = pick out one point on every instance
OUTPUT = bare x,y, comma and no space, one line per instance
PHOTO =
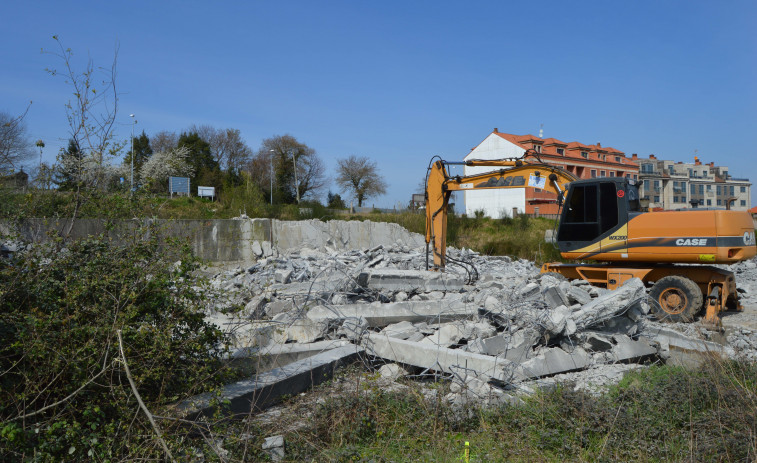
296,183
272,177
134,122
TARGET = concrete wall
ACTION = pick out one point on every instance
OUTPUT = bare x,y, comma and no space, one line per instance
235,240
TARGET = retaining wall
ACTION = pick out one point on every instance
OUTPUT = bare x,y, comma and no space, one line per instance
233,239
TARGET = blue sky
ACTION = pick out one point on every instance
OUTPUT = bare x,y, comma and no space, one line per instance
402,81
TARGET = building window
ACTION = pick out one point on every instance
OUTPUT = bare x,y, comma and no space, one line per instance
719,191
537,148
561,151
743,189
646,184
593,173
585,154
635,177
720,202
693,189
647,168
617,158
612,174
709,202
731,189
657,199
701,189
691,173
602,173
709,187
743,202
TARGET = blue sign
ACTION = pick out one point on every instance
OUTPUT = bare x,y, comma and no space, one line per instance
178,185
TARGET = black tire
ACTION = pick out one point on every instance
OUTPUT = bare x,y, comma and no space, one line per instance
677,299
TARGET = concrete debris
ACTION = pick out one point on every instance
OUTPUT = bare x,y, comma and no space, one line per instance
513,327
274,447
409,280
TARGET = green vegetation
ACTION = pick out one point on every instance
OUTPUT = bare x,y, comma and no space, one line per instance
64,391
658,414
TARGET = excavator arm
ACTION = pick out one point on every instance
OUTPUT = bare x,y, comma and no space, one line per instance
526,172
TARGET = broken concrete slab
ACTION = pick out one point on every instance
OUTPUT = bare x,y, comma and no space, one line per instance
456,361
555,297
392,371
627,350
272,356
391,279
552,361
266,389
610,304
447,335
274,447
378,315
353,328
578,295
302,330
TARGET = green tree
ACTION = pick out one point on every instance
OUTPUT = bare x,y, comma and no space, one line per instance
69,161
335,201
200,158
283,152
142,152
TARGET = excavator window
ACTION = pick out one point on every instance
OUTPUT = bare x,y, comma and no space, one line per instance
592,209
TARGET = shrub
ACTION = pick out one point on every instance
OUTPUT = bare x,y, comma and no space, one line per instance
63,390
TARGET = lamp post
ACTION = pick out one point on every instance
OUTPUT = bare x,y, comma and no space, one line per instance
271,177
134,122
296,183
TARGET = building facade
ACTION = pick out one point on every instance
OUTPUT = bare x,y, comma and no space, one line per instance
584,161
670,185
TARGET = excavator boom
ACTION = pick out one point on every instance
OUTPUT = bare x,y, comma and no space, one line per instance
526,172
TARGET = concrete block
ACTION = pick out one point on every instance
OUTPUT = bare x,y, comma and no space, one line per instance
387,279
628,350
353,328
435,358
555,297
283,276
557,319
392,371
263,390
401,330
610,304
274,447
530,290
553,361
257,249
378,315
302,330
445,336
265,358
279,306
255,309
578,295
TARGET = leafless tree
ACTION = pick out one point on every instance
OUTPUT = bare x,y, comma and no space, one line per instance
281,153
359,177
226,145
164,141
15,146
91,115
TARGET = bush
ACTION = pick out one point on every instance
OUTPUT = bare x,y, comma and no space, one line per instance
63,390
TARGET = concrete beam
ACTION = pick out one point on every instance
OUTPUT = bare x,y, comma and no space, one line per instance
435,358
266,389
278,355
379,315
388,279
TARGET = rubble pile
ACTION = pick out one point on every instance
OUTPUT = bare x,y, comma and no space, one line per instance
495,327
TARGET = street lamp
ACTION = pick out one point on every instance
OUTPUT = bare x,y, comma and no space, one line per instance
271,177
134,122
296,183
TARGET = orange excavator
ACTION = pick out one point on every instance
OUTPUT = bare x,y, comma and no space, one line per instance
602,221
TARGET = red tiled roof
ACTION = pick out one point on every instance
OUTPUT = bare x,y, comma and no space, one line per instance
550,146
753,210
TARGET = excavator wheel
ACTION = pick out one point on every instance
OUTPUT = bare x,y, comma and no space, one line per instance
678,299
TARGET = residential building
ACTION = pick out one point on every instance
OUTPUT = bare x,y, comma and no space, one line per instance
584,161
670,185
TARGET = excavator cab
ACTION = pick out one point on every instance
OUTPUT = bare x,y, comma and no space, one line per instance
594,211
